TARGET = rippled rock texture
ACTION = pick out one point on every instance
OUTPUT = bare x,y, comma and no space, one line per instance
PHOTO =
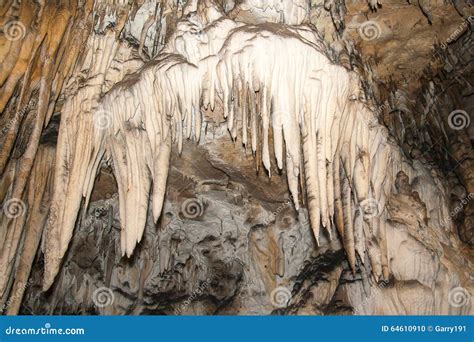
249,157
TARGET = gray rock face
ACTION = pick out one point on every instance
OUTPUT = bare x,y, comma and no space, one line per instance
225,247
217,249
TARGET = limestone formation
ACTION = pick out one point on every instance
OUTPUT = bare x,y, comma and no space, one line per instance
241,157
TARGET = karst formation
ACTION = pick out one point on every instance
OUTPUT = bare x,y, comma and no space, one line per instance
203,157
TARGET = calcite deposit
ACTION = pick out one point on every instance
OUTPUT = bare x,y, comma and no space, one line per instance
248,157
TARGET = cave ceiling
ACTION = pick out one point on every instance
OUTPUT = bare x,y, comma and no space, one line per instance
236,157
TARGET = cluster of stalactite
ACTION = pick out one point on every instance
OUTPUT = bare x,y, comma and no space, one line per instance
40,44
128,109
274,81
43,63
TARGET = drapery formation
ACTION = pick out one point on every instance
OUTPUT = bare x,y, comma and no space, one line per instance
127,99
274,81
40,44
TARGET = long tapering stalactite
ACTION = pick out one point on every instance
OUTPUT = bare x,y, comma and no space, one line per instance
132,82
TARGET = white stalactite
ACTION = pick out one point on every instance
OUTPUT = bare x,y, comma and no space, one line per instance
268,76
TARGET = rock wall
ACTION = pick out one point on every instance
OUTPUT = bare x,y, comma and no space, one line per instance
222,234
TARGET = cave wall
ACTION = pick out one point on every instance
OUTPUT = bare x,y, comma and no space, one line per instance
230,239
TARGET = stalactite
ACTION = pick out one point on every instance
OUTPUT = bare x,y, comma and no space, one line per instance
38,197
163,102
275,82
41,43
106,62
